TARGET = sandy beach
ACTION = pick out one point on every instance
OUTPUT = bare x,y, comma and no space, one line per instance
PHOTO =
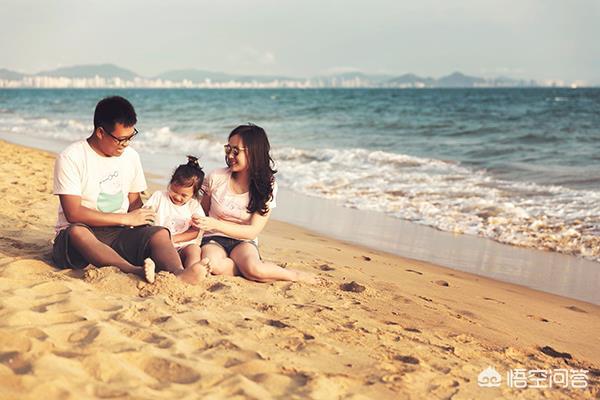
379,326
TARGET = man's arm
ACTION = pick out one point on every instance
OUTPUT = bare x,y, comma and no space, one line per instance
135,201
75,212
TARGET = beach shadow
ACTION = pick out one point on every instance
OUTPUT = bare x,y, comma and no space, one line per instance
25,242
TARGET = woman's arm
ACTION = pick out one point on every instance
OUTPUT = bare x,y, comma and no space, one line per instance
205,203
238,231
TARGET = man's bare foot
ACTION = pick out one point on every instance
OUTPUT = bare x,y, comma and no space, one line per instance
196,272
149,270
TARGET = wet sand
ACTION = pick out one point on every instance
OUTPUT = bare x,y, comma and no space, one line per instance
380,326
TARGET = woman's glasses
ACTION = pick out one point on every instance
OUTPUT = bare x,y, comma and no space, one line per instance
121,141
235,150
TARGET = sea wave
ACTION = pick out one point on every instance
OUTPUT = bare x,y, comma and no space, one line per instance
449,197
443,194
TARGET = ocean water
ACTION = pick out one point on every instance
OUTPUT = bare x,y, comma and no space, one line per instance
519,166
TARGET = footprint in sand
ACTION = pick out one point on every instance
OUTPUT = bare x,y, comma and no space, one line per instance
66,354
413,271
167,371
15,361
536,318
352,287
107,392
42,308
24,317
162,320
85,336
47,289
549,351
494,300
576,309
161,342
13,344
217,287
326,267
276,323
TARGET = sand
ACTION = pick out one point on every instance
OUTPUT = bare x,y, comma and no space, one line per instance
379,326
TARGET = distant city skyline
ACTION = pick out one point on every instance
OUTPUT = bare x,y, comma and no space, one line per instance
530,39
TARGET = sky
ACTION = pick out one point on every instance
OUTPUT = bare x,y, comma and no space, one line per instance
537,39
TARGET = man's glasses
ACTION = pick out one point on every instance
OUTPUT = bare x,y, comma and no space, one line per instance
235,150
121,140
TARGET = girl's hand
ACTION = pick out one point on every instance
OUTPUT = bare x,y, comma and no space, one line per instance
205,223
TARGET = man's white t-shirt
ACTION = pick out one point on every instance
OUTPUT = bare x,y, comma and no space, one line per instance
176,218
103,183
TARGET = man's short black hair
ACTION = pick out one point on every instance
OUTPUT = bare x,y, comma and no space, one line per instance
112,110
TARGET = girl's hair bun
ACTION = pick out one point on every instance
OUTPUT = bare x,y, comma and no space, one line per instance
193,161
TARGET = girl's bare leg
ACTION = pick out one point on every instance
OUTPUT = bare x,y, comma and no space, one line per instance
195,268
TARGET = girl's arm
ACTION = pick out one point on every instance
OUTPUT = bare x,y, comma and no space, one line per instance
186,236
238,231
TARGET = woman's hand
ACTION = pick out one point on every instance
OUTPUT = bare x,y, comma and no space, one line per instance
205,223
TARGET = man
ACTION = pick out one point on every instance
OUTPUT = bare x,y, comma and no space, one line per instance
100,219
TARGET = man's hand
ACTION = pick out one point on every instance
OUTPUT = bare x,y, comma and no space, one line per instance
141,216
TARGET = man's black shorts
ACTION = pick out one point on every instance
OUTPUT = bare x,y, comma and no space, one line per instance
129,243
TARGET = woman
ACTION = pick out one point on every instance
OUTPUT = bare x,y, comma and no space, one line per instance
238,201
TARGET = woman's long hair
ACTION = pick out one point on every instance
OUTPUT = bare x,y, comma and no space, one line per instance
260,166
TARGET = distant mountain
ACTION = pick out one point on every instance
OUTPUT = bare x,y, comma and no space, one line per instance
10,75
458,79
410,80
90,71
201,76
194,75
352,76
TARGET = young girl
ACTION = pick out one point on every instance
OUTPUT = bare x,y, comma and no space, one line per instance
174,209
239,200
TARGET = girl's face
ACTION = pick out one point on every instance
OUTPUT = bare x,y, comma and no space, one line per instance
180,195
236,154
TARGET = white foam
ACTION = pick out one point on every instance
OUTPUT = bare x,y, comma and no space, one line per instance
449,197
441,194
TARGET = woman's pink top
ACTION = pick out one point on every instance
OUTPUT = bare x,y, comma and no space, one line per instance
226,205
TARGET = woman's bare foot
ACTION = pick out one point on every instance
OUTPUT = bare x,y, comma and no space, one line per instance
307,277
149,270
196,272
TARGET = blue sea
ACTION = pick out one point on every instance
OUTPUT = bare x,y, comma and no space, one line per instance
519,166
